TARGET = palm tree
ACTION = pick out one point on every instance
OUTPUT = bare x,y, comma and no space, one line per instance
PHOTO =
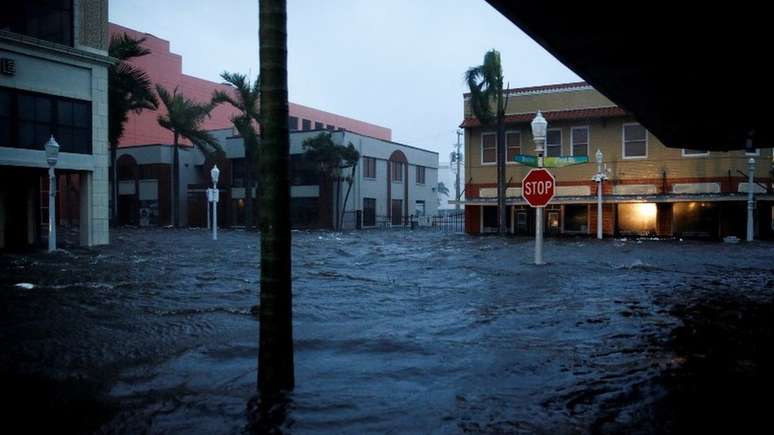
275,355
129,90
350,156
184,118
327,156
245,98
442,189
486,90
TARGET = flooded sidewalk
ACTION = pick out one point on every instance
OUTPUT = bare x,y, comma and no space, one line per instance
402,332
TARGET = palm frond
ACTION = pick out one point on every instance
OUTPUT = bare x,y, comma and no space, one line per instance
129,87
485,82
124,47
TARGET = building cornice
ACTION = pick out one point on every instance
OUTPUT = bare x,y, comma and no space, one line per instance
49,47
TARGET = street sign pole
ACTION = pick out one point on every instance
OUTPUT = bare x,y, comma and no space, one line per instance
539,219
538,187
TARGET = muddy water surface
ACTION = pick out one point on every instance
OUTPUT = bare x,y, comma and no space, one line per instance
394,331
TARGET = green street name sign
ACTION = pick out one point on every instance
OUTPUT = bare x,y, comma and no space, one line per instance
550,162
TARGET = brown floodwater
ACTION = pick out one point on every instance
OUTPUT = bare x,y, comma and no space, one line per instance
399,332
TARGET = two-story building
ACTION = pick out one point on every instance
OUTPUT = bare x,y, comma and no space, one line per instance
53,82
651,189
393,184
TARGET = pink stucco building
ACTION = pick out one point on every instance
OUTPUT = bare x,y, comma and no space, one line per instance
166,69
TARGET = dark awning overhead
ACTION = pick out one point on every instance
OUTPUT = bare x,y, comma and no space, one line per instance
696,77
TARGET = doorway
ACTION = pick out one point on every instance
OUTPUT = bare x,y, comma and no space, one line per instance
397,212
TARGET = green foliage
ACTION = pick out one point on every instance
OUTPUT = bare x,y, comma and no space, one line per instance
442,189
328,155
485,82
129,88
184,118
245,98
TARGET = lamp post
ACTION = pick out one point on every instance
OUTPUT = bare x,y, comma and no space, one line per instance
599,177
214,194
539,126
750,199
52,155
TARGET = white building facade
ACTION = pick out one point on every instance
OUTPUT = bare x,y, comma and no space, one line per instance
53,82
394,184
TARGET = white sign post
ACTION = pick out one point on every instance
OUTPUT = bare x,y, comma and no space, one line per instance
213,195
539,126
599,177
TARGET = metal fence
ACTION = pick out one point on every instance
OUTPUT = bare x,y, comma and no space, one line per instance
448,222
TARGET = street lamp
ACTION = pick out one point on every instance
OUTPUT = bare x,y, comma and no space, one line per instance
599,177
539,126
750,200
213,195
52,155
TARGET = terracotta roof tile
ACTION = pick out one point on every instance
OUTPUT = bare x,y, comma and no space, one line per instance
541,88
558,115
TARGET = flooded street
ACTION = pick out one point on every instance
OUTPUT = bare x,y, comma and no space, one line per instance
402,332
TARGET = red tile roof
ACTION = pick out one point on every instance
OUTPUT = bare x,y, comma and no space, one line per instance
558,115
542,88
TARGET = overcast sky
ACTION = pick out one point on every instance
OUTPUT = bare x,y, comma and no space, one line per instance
395,63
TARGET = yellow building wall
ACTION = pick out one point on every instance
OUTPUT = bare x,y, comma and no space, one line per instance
607,135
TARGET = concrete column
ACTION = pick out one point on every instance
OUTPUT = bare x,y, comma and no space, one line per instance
86,215
99,205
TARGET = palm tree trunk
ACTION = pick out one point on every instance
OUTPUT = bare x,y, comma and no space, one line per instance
249,182
501,227
175,183
346,197
338,199
275,356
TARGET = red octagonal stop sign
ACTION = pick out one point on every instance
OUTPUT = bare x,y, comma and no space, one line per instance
538,187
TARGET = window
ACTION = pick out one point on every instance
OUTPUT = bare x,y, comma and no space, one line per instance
330,127
27,120
5,118
318,125
635,141
238,172
694,153
51,20
369,167
580,141
419,208
292,123
397,171
34,120
576,218
420,175
306,124
488,148
73,126
513,142
369,212
554,142
303,172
